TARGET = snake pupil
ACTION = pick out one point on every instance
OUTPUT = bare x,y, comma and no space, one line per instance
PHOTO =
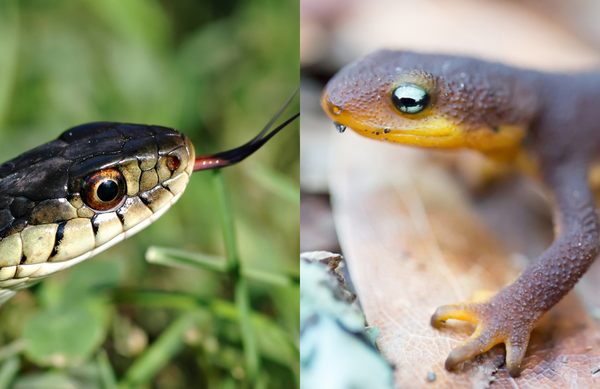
104,190
107,190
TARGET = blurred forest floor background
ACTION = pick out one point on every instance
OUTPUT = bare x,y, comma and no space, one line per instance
413,235
217,71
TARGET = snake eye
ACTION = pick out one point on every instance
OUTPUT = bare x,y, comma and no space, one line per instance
410,98
104,189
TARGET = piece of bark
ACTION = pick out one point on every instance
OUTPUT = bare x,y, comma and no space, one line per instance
413,242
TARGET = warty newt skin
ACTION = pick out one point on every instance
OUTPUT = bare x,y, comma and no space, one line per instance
504,112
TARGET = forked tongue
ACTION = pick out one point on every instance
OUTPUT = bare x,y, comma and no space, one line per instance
235,155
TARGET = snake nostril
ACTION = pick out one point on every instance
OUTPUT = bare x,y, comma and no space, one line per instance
173,162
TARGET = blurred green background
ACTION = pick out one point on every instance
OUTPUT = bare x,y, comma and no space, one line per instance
216,70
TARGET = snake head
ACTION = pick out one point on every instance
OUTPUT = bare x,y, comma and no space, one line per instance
95,185
432,101
117,162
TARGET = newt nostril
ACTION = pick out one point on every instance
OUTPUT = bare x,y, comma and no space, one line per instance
335,109
330,107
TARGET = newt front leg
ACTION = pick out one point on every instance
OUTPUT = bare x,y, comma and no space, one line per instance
509,316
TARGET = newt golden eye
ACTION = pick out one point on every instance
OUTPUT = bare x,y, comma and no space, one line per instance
104,189
410,98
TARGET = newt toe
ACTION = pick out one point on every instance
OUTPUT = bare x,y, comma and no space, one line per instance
493,326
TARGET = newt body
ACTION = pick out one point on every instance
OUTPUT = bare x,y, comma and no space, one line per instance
452,102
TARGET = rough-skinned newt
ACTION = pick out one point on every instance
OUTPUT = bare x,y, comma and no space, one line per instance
504,112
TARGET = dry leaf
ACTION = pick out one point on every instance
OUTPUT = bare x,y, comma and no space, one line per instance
412,242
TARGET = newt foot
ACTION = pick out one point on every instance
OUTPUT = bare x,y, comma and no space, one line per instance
495,323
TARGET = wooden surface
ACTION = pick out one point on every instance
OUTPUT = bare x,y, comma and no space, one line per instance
413,241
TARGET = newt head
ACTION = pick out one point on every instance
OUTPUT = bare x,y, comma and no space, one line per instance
432,101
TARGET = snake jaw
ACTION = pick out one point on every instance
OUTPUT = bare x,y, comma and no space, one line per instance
32,273
189,167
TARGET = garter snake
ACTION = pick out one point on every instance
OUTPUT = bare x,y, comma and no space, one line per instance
95,185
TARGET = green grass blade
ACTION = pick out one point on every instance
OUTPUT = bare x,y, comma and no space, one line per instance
8,371
185,259
188,259
107,375
233,258
273,279
242,302
242,297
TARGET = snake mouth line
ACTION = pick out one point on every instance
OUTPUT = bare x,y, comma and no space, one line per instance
34,272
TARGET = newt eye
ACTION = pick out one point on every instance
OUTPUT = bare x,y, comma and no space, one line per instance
410,98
